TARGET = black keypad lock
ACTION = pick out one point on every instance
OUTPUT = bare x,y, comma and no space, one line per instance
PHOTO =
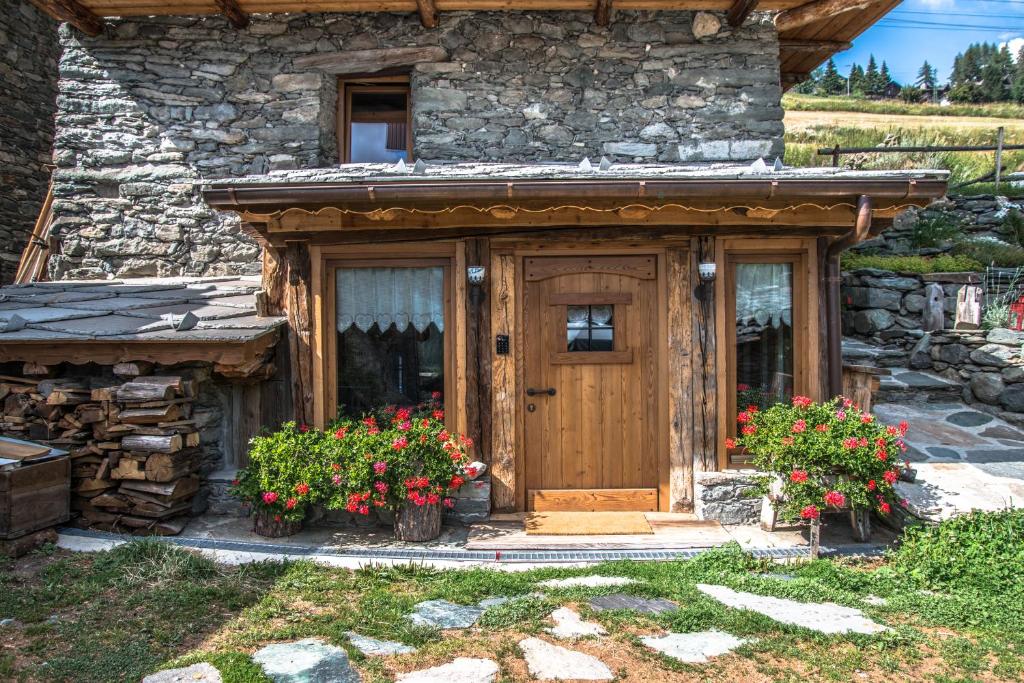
501,345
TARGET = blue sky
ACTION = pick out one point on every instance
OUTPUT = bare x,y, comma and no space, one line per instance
907,36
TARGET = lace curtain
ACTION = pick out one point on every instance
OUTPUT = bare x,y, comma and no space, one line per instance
390,296
764,294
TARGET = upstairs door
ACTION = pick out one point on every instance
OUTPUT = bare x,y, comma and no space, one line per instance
591,364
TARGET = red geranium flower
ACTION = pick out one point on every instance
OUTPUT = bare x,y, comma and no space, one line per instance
270,497
903,427
799,426
381,487
291,503
336,466
340,434
798,476
380,467
302,489
882,455
802,402
885,508
449,502
748,430
363,509
433,498
742,387
850,442
438,414
787,441
730,442
303,428
821,428
456,482
810,512
872,485
835,499
865,418
435,395
743,418
399,443
891,476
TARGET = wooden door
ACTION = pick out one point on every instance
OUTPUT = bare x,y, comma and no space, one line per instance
590,394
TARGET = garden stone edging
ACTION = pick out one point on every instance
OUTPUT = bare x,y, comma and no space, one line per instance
725,497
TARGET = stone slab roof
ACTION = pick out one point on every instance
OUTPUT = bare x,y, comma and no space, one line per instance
192,310
362,173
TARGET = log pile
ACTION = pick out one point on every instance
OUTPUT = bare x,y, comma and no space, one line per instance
134,446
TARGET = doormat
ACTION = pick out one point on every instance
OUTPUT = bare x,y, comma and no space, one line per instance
587,524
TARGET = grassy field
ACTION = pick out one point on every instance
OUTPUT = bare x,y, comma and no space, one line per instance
113,616
794,102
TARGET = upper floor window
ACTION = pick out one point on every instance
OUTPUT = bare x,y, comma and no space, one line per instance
373,120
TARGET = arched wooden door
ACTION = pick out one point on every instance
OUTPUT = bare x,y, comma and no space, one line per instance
591,364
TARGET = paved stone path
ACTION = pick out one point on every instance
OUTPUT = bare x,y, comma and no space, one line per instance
378,648
462,670
548,662
824,617
694,648
197,673
445,615
965,459
630,602
569,624
587,582
304,661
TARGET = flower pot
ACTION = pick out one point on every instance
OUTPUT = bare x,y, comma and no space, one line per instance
418,523
264,524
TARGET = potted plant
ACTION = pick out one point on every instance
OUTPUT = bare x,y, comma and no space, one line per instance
280,483
400,459
822,456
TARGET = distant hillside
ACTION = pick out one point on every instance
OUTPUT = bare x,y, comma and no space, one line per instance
794,102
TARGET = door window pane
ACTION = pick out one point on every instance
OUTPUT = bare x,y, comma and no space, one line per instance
391,349
764,334
590,328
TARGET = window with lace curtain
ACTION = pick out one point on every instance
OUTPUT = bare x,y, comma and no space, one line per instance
374,120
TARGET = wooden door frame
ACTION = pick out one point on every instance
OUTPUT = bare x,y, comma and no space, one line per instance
523,250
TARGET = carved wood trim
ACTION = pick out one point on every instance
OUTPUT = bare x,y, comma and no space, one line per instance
235,15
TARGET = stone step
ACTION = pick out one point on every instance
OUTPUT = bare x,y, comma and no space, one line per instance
917,385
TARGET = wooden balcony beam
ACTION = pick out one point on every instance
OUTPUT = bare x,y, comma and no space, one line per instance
814,45
74,13
816,11
230,9
428,13
602,12
740,11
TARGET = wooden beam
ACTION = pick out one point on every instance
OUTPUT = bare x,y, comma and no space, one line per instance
235,15
740,10
602,12
74,13
816,11
797,45
428,13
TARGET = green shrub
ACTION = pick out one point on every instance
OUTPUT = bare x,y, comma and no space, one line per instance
981,551
936,230
991,252
920,265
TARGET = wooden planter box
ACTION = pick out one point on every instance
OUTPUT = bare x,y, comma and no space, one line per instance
34,497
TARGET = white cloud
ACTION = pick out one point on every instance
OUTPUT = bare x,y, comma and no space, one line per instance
1015,45
936,4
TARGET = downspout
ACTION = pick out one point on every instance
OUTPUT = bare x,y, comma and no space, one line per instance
833,279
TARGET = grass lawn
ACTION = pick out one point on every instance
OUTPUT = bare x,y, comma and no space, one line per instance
1002,110
141,607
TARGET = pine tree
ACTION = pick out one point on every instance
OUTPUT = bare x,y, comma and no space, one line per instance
927,79
832,83
873,86
1017,91
857,80
884,77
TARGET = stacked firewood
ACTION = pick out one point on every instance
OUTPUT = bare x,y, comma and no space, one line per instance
134,446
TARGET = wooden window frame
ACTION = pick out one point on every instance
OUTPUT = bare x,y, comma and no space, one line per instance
330,345
801,255
369,84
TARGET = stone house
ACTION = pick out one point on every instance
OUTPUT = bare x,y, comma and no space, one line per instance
569,223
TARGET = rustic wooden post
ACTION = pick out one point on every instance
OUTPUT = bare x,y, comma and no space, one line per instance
478,383
680,491
934,317
968,308
704,365
860,522
299,308
504,387
815,538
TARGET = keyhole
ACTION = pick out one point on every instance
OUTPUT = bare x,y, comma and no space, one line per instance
530,407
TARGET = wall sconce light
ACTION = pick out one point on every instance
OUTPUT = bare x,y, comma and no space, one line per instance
476,275
707,271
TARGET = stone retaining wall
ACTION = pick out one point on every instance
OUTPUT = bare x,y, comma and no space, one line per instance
28,80
156,105
990,365
726,497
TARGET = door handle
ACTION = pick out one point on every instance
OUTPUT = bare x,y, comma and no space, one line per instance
550,391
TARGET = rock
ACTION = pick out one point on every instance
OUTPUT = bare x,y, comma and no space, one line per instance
996,355
914,303
694,648
445,615
705,25
630,602
547,662
197,673
569,624
306,660
373,647
875,600
954,354
871,297
903,284
462,670
1014,373
822,617
631,149
474,469
1002,335
1012,399
921,354
7,622
873,320
987,387
969,418
587,582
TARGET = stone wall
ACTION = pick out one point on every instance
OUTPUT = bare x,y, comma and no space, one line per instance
28,79
157,105
726,497
990,365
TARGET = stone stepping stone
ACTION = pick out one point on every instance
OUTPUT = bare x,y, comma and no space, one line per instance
587,582
197,673
969,418
694,648
547,662
378,648
569,624
462,670
875,600
306,660
445,615
940,452
1003,432
824,617
631,602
